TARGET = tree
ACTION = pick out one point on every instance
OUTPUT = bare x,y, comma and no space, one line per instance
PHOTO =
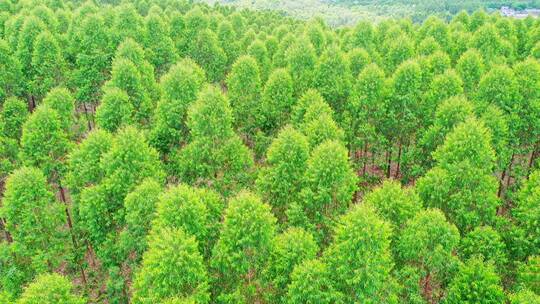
181,207
10,78
29,31
281,181
527,212
462,184
47,65
34,219
289,249
171,268
12,118
115,110
486,242
127,78
277,100
44,143
359,59
216,156
61,100
50,289
244,86
332,78
329,186
311,283
244,244
529,273
470,67
524,296
180,86
441,88
427,244
360,257
207,52
159,45
393,203
399,50
301,62
140,205
319,125
228,39
258,50
476,282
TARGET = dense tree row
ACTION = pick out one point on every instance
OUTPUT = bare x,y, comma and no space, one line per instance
167,152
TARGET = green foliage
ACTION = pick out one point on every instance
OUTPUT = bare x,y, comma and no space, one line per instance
311,283
289,249
215,156
527,212
360,257
329,186
61,100
427,243
281,181
524,297
277,100
332,77
301,62
529,273
393,203
14,114
34,219
47,64
475,282
171,268
207,52
244,243
50,289
115,110
180,86
44,142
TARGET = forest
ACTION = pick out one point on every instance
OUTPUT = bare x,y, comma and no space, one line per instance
165,151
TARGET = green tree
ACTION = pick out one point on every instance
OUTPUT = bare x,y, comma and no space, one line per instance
329,186
332,78
160,49
47,65
427,244
462,184
12,118
140,205
215,156
281,181
476,282
244,244
393,203
50,289
244,85
180,86
34,219
228,39
311,283
115,110
524,296
44,143
289,249
10,77
171,268
529,273
61,100
359,59
360,257
470,67
527,212
486,242
207,52
277,100
301,61
257,49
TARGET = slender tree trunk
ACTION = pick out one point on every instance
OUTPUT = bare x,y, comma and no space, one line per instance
70,225
365,158
510,171
87,118
534,154
389,162
7,235
501,182
396,175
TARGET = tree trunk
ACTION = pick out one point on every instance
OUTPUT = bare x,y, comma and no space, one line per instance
365,159
87,118
510,171
70,225
501,183
7,235
534,154
389,162
396,175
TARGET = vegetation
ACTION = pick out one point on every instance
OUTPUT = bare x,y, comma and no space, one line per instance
174,152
